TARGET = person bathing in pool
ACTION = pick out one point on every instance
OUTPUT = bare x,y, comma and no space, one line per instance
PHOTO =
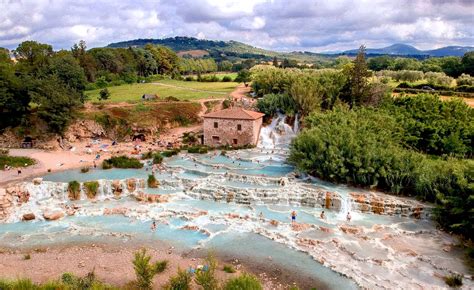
293,216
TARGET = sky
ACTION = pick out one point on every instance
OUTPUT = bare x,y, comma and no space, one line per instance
304,25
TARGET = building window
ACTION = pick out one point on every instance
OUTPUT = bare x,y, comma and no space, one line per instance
235,141
239,127
216,125
215,138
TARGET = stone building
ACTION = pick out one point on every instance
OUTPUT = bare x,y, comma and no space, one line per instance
234,126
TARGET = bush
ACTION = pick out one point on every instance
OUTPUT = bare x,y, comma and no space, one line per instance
26,257
74,190
206,278
226,79
226,104
15,161
454,280
89,281
145,270
244,281
157,158
147,155
180,281
106,165
84,169
198,149
91,188
152,182
169,153
122,162
189,79
229,269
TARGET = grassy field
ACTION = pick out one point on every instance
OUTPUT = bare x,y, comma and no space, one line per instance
164,88
220,75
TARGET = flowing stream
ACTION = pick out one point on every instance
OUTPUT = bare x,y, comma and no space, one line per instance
240,204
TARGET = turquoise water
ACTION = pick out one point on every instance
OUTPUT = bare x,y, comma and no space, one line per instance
228,228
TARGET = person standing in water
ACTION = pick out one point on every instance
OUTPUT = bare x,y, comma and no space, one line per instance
322,215
153,226
348,217
293,216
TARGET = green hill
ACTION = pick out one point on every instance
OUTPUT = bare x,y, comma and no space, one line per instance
220,49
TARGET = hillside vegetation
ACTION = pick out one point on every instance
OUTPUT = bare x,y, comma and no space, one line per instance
356,133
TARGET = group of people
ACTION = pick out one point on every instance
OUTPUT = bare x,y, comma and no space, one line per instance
322,216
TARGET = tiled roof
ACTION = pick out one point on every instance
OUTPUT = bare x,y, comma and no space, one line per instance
235,113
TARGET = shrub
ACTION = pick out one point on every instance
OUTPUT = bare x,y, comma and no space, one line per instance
244,281
182,120
152,182
169,153
147,155
26,257
198,149
223,153
454,280
157,158
122,162
104,94
206,278
91,188
226,104
89,281
180,281
226,79
229,269
106,164
74,190
84,169
189,79
144,270
15,161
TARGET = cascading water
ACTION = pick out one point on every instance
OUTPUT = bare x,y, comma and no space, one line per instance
217,200
278,134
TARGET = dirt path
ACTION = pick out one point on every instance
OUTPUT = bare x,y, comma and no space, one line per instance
240,92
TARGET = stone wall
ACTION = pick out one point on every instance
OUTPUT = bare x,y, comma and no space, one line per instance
227,131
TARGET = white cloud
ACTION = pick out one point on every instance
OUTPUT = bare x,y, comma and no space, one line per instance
277,24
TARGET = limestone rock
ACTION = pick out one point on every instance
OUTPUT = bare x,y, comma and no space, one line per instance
29,216
53,215
37,180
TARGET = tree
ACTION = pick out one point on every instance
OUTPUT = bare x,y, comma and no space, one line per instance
144,270
275,61
14,97
56,102
69,71
467,63
104,94
358,84
243,77
32,55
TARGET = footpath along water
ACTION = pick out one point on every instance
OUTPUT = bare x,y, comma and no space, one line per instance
212,201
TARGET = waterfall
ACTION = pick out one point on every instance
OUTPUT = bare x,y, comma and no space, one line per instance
296,125
278,134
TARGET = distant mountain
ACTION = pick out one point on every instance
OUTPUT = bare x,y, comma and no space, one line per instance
408,50
217,49
234,49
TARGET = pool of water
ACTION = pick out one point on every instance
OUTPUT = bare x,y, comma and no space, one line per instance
370,249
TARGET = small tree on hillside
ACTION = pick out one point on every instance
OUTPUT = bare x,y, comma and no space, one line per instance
145,271
243,77
104,94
